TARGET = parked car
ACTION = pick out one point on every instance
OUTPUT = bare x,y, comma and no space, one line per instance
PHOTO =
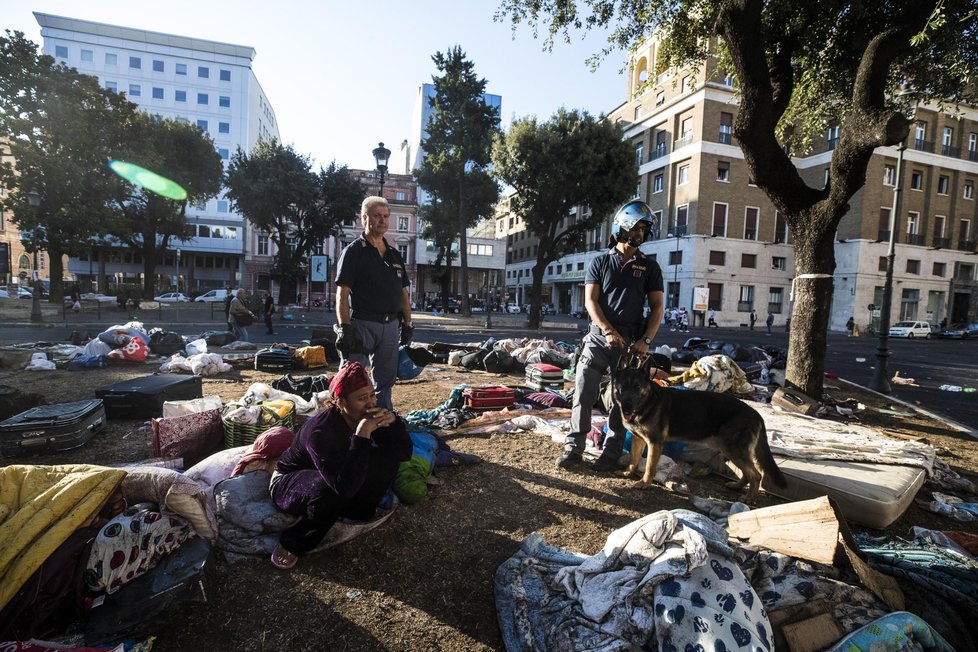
910,329
453,306
172,297
22,292
513,308
212,296
960,331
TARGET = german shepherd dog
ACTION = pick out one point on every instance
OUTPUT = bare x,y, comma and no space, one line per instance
655,414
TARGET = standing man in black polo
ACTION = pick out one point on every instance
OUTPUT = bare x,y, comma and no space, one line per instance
617,285
373,308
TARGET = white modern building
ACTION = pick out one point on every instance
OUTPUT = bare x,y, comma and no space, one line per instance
208,83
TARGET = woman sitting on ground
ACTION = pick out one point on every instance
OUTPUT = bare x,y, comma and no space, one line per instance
341,464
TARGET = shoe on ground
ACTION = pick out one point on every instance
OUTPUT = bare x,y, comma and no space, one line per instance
570,461
604,464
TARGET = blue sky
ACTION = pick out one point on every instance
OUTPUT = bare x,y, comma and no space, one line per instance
344,75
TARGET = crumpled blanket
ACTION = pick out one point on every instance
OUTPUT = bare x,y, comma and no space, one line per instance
793,435
426,417
665,581
714,373
260,392
248,521
199,364
894,631
248,415
39,507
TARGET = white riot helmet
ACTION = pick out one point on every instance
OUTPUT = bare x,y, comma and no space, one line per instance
627,217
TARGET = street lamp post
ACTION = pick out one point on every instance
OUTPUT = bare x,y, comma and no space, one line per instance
178,270
881,376
486,305
381,156
34,199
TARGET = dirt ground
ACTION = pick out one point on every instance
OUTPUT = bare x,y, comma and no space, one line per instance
424,580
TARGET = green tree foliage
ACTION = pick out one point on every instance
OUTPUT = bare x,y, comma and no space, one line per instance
797,64
61,129
145,221
457,149
569,161
278,193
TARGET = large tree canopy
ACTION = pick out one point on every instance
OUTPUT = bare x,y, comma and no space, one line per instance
61,128
457,149
145,221
569,161
798,63
276,190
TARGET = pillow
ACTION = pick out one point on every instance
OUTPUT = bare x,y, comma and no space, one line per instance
170,490
211,470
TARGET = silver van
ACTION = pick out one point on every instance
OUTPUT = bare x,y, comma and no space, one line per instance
212,296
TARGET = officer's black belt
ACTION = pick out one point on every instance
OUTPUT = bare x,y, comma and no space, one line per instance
382,317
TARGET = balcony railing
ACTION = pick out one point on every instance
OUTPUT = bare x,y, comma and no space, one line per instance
744,306
726,137
966,245
678,231
915,239
660,150
950,150
831,143
883,236
973,155
774,308
750,234
941,243
682,141
923,145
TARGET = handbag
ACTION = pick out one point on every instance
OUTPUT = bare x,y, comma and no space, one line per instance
244,319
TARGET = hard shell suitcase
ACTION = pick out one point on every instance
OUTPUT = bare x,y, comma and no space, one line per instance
49,428
541,376
489,398
140,607
142,398
274,360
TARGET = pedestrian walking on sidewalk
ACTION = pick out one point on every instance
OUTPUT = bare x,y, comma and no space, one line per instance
850,325
753,318
269,311
770,322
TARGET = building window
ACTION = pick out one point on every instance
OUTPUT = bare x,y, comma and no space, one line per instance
87,55
225,75
403,221
746,303
775,300
913,223
637,113
676,257
224,101
135,62
202,124
748,261
942,184
969,190
660,99
112,86
940,269
223,127
224,153
135,90
825,177
639,153
889,175
718,257
202,98
111,59
203,72
180,68
723,171
832,136
719,220
715,301
180,96
751,215
780,228
939,221
157,93
222,206
881,264
157,65
687,84
972,142
682,212
726,128
917,180
657,182
683,175
61,51
913,267
400,195
779,263
909,304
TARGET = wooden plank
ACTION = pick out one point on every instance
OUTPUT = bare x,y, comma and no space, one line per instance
808,529
812,634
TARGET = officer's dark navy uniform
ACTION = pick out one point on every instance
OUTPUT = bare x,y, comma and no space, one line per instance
618,284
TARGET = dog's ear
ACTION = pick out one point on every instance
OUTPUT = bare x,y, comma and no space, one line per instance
649,366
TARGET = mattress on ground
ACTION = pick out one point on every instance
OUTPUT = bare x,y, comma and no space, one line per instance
873,495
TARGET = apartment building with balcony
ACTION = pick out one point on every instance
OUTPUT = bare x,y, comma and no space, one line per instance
208,83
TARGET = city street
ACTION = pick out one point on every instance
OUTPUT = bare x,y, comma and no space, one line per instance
931,363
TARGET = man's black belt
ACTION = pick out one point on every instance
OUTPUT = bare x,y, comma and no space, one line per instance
382,317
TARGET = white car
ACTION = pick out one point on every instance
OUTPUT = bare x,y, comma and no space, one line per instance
22,292
212,296
513,309
910,329
172,297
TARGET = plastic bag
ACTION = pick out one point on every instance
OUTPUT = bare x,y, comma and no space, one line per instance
197,346
39,361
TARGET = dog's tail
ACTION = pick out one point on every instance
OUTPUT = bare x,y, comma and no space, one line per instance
764,456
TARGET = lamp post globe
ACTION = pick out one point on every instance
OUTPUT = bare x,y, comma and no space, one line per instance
34,200
382,156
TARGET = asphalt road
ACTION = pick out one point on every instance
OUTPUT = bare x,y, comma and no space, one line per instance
931,363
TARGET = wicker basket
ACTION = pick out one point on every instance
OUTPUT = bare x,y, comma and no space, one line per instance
242,434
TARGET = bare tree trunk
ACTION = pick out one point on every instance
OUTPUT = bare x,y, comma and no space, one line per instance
56,270
463,251
536,287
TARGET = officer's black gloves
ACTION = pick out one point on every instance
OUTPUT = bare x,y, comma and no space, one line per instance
347,341
407,332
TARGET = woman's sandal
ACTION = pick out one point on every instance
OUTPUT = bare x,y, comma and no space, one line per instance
283,559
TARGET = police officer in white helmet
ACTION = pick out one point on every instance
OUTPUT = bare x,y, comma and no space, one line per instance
617,286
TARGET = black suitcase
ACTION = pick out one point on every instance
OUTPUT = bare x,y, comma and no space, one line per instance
277,360
49,428
142,398
139,607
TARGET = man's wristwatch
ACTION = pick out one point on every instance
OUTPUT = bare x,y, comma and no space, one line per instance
647,340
